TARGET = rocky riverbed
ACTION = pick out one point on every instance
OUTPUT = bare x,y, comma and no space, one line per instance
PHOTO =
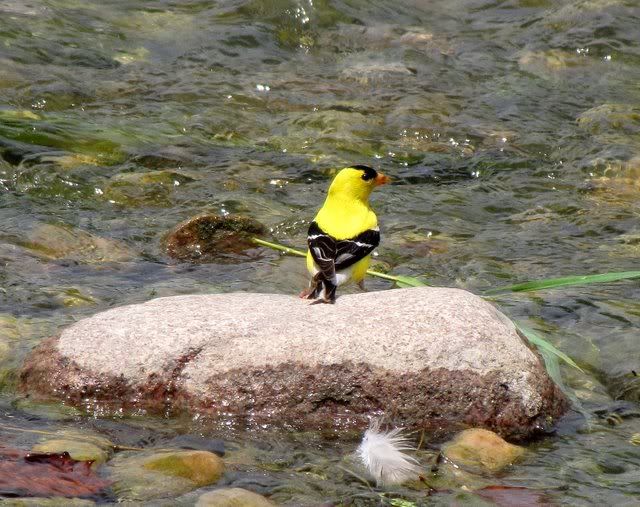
512,134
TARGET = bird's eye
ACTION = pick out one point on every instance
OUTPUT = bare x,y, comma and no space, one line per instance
369,172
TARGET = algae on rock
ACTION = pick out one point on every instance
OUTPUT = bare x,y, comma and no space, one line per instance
204,238
163,473
66,242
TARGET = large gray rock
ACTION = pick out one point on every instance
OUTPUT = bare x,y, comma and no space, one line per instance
432,358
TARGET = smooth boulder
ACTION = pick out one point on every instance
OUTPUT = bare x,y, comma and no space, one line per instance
439,359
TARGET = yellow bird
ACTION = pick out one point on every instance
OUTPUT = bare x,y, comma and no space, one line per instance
343,234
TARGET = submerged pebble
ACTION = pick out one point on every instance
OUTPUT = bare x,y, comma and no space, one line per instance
483,449
552,62
153,475
233,497
54,241
619,178
52,411
78,450
611,117
365,72
153,188
198,443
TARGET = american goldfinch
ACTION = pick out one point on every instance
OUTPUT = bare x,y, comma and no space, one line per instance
343,234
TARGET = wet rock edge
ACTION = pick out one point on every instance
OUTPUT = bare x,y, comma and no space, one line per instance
294,395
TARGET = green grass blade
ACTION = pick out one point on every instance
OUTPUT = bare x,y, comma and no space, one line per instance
400,280
281,248
566,281
552,366
409,281
544,345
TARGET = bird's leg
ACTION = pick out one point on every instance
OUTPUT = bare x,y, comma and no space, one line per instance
329,292
361,285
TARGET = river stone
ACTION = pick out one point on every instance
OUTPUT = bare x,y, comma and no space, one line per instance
212,238
151,188
78,450
431,358
611,117
65,242
480,448
233,497
160,474
200,467
50,410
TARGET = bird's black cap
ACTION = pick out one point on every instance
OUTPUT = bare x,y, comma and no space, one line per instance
369,172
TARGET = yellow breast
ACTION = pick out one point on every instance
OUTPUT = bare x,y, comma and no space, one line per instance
345,220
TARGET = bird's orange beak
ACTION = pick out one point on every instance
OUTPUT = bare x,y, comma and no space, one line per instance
381,179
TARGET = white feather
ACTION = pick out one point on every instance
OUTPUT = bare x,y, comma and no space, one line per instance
382,454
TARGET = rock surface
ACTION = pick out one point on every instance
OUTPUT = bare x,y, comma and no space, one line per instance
233,497
432,358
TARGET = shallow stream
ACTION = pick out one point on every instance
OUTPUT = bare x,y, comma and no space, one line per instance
511,130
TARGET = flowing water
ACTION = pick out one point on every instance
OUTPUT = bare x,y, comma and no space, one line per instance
511,130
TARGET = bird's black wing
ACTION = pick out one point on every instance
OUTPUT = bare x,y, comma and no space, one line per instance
323,248
333,255
350,251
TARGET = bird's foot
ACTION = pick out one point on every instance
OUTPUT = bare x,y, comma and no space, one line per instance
361,286
306,294
322,301
311,292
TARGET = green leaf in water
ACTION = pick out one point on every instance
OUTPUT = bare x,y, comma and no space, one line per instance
566,281
550,356
544,345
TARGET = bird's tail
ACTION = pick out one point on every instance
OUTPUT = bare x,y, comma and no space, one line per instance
383,454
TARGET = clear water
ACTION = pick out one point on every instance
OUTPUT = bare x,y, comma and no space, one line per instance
511,129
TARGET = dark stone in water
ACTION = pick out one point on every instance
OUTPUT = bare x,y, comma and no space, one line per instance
212,238
616,411
197,443
166,159
625,387
259,483
15,152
